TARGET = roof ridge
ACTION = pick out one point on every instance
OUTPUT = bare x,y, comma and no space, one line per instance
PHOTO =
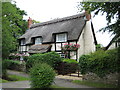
57,20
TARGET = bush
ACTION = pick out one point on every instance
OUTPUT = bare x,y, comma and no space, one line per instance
15,65
4,68
70,61
67,66
51,58
100,62
41,75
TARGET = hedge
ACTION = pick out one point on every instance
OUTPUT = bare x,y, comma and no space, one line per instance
67,66
15,65
51,58
100,62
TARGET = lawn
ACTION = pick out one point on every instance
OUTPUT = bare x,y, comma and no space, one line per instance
94,84
14,78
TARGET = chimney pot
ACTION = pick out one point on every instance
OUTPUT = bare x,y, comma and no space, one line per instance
88,15
29,22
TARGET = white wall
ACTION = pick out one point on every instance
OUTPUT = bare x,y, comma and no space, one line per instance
86,40
89,40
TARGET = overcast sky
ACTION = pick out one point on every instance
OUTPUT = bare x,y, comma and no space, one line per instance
45,10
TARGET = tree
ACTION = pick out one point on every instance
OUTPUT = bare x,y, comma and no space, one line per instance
13,26
112,10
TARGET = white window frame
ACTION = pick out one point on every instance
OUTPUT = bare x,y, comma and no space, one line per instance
38,40
61,37
22,42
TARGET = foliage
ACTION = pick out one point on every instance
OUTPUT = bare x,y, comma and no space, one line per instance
4,68
98,46
41,75
84,63
13,26
70,61
100,62
14,65
111,9
67,66
51,58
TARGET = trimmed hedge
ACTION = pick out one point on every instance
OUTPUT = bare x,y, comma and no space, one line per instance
51,58
67,66
41,75
100,62
70,61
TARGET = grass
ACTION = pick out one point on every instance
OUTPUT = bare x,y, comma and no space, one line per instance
14,78
3,81
94,84
18,78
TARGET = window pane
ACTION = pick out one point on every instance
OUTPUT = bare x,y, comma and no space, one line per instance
38,41
22,42
61,37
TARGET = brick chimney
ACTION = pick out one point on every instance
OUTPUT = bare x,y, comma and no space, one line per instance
29,22
88,15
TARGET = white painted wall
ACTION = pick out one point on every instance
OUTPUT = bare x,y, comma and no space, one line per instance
86,40
88,37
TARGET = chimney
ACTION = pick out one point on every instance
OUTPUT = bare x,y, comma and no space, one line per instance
88,15
29,22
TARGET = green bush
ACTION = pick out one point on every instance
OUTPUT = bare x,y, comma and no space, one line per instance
5,65
41,75
51,58
70,61
67,66
84,63
15,65
100,62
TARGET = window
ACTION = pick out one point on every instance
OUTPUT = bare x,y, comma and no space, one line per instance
38,40
62,55
61,37
22,42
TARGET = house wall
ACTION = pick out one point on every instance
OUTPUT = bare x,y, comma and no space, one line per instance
86,40
89,40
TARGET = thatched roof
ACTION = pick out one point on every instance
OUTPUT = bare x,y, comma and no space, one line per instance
72,25
39,48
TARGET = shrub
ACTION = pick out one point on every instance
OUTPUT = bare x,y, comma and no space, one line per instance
15,65
67,66
70,61
4,68
51,58
41,75
100,62
84,63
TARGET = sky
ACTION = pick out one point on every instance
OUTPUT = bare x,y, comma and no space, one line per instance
45,10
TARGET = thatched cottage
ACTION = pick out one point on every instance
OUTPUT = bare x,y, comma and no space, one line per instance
55,34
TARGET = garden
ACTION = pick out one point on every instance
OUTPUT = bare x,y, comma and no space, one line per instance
43,68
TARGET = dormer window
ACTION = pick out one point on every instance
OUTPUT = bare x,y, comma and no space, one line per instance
61,37
38,40
22,42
